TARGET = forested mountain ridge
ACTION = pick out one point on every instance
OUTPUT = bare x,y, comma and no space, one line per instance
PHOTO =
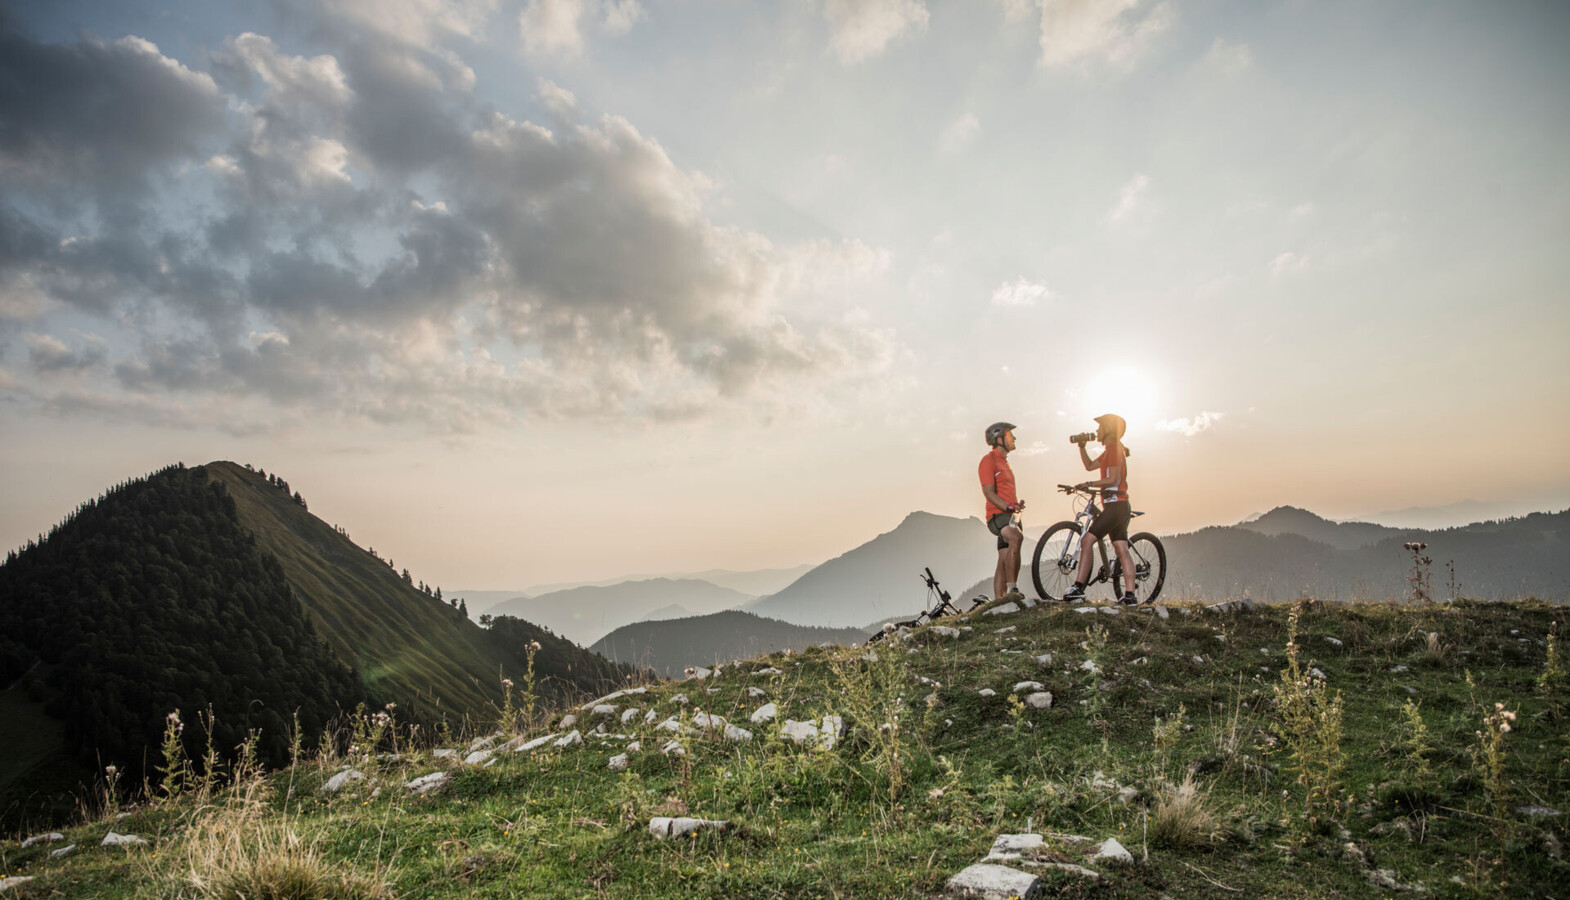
668,646
215,586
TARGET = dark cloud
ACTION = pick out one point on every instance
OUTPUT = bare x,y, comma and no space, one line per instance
51,356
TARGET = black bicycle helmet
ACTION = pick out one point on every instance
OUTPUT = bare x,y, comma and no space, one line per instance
996,431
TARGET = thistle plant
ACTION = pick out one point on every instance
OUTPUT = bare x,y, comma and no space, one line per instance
1415,744
174,768
1309,725
1551,681
1164,735
1422,588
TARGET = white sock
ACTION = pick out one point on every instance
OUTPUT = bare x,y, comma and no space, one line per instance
1014,586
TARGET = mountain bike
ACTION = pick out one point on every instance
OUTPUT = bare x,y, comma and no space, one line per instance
1056,561
945,607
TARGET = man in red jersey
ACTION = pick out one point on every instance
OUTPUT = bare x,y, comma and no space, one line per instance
1115,509
997,486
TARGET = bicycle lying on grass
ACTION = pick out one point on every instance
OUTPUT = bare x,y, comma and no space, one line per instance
1056,561
932,613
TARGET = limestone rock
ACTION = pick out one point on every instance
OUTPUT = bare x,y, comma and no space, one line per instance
765,713
342,778
990,881
944,631
1006,629
1112,850
606,709
1085,609
618,762
1004,609
673,747
477,757
757,692
625,692
63,851
567,722
115,839
680,700
572,739
11,881
444,753
535,744
770,670
630,714
49,838
1022,687
987,692
708,721
482,743
650,716
668,826
1044,659
1008,847
737,735
427,783
1090,666
671,724
1334,642
634,747
1039,700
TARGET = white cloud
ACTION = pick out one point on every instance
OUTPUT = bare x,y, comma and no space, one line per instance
416,22
1190,426
1229,59
863,28
293,79
1302,210
551,27
1077,31
49,355
1020,292
1287,263
1129,198
958,133
621,15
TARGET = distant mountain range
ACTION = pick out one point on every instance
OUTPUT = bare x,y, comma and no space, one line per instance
585,614
669,647
753,583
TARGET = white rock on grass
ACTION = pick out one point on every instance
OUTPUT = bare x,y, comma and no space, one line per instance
944,631
1334,642
668,826
1003,610
1315,673
757,692
987,692
115,839
1085,609
737,735
617,763
1039,700
634,747
477,757
1044,659
990,881
1111,611
483,743
567,722
342,778
1090,666
49,838
535,744
444,753
625,692
765,713
1110,849
63,851
699,672
671,724
11,881
768,671
708,721
1009,847
650,716
1006,629
427,783
630,714
826,731
571,739
606,709
673,747
680,700
1025,686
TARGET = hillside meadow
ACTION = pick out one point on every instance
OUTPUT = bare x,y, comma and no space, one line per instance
1303,750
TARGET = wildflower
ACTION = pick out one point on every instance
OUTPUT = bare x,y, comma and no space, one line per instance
391,706
534,645
507,682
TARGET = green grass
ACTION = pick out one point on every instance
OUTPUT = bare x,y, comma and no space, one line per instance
895,817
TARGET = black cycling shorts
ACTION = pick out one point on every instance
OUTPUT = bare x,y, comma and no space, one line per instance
997,523
1113,521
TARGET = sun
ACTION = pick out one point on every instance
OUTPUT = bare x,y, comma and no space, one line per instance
1122,389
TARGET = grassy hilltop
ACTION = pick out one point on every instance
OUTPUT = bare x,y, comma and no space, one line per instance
1433,754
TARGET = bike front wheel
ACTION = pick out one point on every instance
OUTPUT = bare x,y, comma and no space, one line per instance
1056,561
1150,567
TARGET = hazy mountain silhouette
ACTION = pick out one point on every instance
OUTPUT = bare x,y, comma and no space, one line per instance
585,614
1341,535
754,583
881,579
668,647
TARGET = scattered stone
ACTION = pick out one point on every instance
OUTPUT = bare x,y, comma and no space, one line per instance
634,747
341,779
650,716
1085,609
606,709
444,753
680,700
1397,670
987,692
617,763
1110,849
737,735
1220,638
1128,795
617,695
870,656
629,714
535,744
1112,610
990,881
1072,869
768,671
826,732
1090,666
667,826
944,631
1197,660
699,672
1004,609
567,722
63,851
708,721
1008,847
1386,878
1039,700
757,692
1315,673
115,839
1334,642
1044,659
482,743
1532,811
1006,629
572,739
765,713
671,724
49,838
1231,606
1024,686
1161,612
673,747
11,881
477,757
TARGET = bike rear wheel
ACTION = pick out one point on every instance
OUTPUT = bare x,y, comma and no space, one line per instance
1150,567
1056,561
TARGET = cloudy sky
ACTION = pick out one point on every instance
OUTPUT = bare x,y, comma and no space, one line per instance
563,289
